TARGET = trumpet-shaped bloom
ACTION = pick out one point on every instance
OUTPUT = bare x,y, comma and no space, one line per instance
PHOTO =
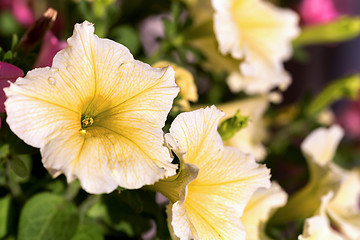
318,227
325,176
210,205
97,114
344,209
259,34
260,208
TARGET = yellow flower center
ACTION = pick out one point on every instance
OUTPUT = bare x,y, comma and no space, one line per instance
86,121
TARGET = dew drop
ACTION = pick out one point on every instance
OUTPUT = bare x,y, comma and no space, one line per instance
69,67
51,81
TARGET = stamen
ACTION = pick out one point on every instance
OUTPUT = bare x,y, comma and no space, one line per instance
86,121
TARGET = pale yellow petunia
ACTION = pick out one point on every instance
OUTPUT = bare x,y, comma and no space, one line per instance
344,208
320,146
319,149
97,114
212,203
259,34
260,208
318,227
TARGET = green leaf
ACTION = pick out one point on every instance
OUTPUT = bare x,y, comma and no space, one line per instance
19,167
88,231
9,25
230,126
48,216
8,56
127,36
4,150
114,210
346,87
4,214
342,29
27,161
170,28
14,41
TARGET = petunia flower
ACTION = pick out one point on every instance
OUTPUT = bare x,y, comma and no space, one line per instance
318,227
215,182
318,11
260,208
259,34
184,79
21,10
96,115
344,209
319,149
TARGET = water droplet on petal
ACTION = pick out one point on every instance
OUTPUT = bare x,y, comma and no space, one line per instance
69,67
51,81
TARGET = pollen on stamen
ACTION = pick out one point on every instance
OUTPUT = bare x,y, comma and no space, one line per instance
86,121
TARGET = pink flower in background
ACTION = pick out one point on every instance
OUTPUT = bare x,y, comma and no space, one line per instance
8,72
21,10
318,11
51,45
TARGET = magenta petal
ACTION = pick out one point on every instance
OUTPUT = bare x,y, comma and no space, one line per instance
318,11
8,72
23,13
51,45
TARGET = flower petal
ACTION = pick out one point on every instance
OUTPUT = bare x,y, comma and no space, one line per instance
8,72
318,227
126,100
226,180
269,35
259,209
321,144
195,137
344,208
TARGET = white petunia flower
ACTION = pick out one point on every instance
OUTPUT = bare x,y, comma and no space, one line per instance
318,227
97,114
259,34
215,182
260,208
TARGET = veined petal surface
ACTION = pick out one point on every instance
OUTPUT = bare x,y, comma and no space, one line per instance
97,114
227,178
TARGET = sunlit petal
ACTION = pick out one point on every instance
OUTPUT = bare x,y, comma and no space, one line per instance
97,114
